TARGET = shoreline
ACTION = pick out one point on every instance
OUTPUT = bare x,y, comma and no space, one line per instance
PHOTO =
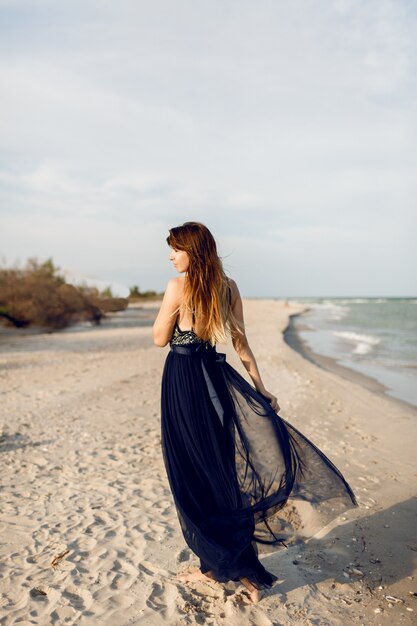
296,342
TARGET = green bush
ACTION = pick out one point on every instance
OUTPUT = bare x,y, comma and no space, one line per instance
38,296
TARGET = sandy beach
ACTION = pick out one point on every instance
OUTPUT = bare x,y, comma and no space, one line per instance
89,532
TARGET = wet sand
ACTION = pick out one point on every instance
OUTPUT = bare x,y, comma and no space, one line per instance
295,341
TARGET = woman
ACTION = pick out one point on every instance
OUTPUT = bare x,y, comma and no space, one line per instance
232,462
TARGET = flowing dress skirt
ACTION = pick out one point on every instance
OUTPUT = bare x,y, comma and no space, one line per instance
240,475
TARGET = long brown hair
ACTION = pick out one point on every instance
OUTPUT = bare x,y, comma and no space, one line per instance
206,286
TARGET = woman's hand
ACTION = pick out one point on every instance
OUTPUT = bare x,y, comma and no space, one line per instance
272,400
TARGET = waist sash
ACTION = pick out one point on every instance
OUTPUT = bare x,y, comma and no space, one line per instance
205,350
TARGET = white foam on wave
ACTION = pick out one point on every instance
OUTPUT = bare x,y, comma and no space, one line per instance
364,344
335,311
364,301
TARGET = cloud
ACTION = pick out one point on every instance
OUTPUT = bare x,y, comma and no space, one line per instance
291,123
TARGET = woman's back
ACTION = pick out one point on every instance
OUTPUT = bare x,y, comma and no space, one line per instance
184,337
186,328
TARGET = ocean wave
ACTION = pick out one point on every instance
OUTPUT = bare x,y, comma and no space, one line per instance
364,301
335,311
347,301
364,344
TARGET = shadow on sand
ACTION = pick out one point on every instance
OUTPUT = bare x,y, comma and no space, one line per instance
14,441
376,550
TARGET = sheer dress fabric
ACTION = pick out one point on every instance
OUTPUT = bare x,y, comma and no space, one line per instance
241,476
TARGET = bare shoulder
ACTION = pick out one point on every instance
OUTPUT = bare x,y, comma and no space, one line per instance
234,289
173,293
175,285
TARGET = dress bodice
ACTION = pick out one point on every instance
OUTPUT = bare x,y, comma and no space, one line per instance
184,337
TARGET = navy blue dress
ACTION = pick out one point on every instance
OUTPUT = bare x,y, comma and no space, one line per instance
240,475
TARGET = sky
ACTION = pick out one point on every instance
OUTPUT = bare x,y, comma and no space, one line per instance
288,128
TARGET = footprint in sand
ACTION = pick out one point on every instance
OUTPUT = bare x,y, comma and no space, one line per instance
159,532
163,600
372,479
80,599
63,615
155,598
122,582
4,601
124,566
184,555
149,570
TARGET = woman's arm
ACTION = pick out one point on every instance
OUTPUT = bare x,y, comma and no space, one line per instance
243,349
165,320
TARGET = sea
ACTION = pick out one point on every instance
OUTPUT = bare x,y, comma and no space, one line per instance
373,336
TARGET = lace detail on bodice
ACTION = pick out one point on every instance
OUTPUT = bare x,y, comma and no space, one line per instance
184,337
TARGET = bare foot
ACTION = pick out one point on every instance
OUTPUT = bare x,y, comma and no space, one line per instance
197,574
255,594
